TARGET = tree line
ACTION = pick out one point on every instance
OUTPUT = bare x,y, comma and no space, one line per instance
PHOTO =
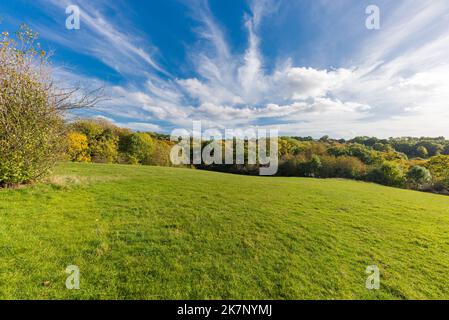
361,158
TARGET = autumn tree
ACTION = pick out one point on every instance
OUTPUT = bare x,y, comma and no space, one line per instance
32,108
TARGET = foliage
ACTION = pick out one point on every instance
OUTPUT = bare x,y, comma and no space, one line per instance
417,176
439,168
389,173
78,147
422,152
342,167
105,149
31,126
108,143
161,153
368,159
102,138
32,110
310,168
138,147
424,147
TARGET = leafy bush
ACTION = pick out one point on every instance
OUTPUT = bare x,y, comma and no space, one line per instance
290,165
342,167
105,149
78,147
138,147
439,169
365,154
32,129
389,173
161,153
31,125
310,168
438,166
422,152
102,139
417,176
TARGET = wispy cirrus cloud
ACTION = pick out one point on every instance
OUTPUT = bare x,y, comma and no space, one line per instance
125,52
392,85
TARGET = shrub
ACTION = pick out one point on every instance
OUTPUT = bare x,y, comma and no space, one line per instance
439,169
417,176
32,130
102,138
139,147
310,168
161,154
91,128
342,167
389,173
78,147
289,166
421,152
438,166
31,125
105,149
365,154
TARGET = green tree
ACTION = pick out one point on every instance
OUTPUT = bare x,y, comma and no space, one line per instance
139,147
342,167
102,136
422,152
314,166
417,176
438,166
389,173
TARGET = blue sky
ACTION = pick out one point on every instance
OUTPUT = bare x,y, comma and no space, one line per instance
303,67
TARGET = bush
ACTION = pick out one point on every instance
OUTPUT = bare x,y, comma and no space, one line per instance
310,168
365,154
289,166
342,167
418,176
105,149
32,129
438,166
161,154
421,152
389,173
31,124
102,139
139,147
78,147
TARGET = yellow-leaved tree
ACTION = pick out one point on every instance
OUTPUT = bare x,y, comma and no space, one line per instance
78,147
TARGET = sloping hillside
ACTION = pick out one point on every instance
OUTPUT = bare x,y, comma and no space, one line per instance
165,233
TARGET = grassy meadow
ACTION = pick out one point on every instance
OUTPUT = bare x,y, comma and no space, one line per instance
140,232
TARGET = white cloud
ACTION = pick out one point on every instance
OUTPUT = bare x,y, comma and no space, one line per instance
397,84
123,52
141,126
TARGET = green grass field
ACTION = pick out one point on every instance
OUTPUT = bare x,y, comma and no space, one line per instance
166,233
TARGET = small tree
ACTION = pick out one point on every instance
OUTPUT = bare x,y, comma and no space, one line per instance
32,134
310,168
139,147
422,152
417,176
389,173
392,174
78,147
